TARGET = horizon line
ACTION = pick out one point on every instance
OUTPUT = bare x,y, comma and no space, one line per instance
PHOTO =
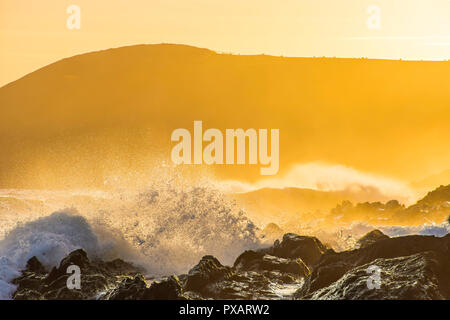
220,52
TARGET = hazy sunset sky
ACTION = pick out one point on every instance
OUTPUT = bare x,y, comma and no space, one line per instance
34,33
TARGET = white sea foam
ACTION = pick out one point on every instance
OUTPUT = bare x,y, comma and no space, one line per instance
49,239
437,230
165,229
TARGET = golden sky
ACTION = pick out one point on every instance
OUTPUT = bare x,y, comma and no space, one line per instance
34,33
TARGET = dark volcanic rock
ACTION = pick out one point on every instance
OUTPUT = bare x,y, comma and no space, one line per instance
404,278
259,261
167,289
136,288
333,266
255,275
34,265
252,285
78,257
96,277
293,246
369,238
208,270
28,294
411,267
132,288
264,274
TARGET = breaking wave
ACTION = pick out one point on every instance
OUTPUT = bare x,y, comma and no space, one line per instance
166,229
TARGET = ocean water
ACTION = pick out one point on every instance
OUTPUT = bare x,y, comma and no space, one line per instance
166,229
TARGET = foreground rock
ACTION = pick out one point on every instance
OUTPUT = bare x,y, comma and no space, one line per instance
308,249
255,275
405,278
96,277
136,288
336,267
208,271
259,261
412,267
271,273
370,238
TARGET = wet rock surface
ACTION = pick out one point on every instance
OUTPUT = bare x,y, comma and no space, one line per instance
255,275
96,277
369,238
299,267
333,266
308,249
259,261
208,270
403,278
168,288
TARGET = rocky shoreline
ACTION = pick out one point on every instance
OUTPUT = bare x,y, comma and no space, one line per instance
297,267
